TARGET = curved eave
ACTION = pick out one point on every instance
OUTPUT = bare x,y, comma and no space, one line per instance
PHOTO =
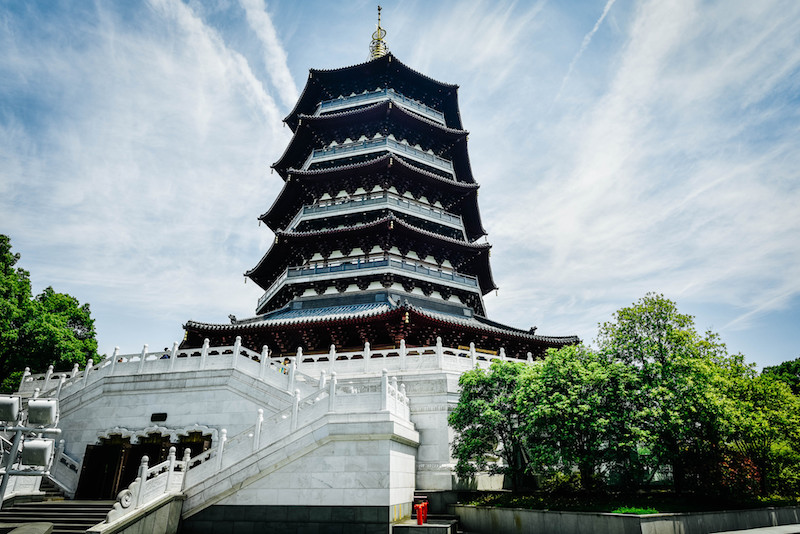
262,275
358,74
312,128
291,197
481,324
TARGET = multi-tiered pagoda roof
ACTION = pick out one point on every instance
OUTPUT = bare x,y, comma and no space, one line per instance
378,236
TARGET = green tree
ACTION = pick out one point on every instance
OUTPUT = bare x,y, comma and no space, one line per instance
677,402
788,372
51,328
487,421
575,412
767,426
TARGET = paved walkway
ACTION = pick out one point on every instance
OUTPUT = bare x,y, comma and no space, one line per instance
783,529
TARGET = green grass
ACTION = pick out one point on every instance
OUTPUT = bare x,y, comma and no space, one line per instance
634,510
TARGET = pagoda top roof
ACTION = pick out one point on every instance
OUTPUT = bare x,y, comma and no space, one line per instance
385,71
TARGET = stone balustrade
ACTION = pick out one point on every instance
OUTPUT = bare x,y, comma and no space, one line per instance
65,470
151,484
260,365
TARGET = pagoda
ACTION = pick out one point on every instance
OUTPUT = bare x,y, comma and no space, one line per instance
378,235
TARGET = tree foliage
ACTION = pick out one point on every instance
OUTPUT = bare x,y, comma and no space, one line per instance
50,328
655,403
788,372
488,420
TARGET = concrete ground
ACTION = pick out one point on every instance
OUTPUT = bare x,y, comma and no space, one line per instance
783,529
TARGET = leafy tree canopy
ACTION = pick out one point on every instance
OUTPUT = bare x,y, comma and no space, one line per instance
788,372
50,328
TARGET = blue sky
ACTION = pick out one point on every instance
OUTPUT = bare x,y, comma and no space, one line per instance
622,147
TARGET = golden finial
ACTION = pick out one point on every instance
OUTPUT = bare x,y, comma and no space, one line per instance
378,48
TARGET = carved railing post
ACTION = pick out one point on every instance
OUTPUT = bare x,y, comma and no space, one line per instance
74,375
292,370
367,355
439,353
223,437
173,355
394,393
204,353
298,359
262,372
114,358
472,355
237,346
142,358
142,480
332,393
295,409
60,384
170,467
503,354
47,376
530,358
36,392
25,374
384,390
402,354
187,458
87,370
257,433
322,379
332,357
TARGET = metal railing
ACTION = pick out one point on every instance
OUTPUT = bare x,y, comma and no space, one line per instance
344,102
400,266
381,144
377,201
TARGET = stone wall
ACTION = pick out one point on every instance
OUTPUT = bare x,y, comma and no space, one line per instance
489,520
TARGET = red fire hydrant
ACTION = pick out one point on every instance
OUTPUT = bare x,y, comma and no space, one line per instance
422,512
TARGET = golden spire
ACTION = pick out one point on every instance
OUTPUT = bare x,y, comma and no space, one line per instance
378,48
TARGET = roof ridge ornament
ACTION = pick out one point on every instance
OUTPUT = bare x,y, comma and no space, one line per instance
378,47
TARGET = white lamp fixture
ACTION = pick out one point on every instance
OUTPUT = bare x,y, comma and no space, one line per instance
37,452
42,411
9,408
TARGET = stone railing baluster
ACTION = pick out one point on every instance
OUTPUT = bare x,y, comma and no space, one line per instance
402,354
395,393
89,364
295,409
173,355
61,384
292,370
204,354
367,355
472,354
74,375
142,480
142,358
439,353
114,358
332,393
170,468
384,389
257,432
47,376
530,358
262,372
223,437
322,379
25,374
503,354
331,357
237,346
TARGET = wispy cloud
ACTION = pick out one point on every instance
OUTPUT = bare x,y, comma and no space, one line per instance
274,53
584,45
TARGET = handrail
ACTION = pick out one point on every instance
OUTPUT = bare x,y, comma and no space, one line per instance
344,102
452,279
377,145
381,199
